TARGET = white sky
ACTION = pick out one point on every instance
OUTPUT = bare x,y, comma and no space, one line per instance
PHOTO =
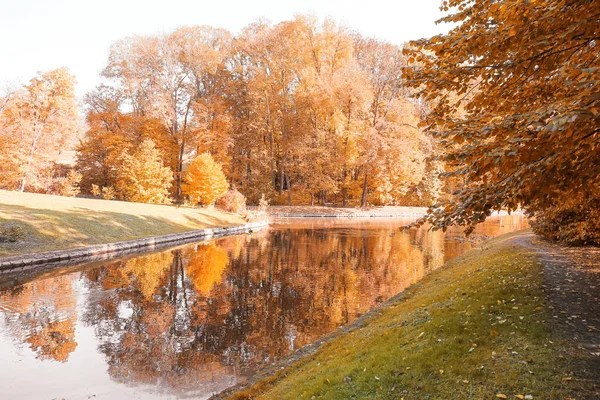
39,35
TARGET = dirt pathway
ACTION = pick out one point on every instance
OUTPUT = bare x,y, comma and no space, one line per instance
572,284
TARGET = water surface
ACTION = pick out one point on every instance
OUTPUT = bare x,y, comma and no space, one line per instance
191,321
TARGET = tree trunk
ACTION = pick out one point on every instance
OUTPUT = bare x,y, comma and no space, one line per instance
270,131
281,178
289,189
363,200
178,181
29,162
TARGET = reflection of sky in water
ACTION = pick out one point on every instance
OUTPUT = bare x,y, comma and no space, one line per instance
192,321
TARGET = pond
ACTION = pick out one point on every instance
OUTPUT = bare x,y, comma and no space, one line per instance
191,321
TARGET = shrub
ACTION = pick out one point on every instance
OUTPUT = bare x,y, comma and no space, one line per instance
67,185
573,222
96,191
263,204
10,232
261,213
205,181
108,193
232,201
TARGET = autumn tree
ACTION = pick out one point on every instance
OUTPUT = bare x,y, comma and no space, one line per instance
300,111
205,181
175,78
142,176
9,145
111,131
527,76
41,118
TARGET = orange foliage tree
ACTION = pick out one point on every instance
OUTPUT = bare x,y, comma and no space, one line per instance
38,121
142,176
9,149
205,181
112,131
301,111
527,76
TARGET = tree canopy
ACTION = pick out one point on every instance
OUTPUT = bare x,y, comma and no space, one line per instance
204,181
299,111
36,122
515,89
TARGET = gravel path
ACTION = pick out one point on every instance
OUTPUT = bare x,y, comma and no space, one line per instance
572,284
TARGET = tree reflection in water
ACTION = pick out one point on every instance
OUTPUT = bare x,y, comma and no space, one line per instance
198,319
43,314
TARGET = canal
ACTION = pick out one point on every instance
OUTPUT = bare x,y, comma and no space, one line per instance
190,321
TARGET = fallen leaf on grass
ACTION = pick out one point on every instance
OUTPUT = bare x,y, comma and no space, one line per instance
501,396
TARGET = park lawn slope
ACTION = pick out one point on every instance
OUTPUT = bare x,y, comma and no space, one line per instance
475,329
56,222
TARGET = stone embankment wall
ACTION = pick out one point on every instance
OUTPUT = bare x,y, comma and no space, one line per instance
82,254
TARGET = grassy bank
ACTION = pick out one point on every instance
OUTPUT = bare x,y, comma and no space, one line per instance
55,222
475,329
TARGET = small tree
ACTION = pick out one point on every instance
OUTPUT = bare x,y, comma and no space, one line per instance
205,181
67,185
232,201
143,177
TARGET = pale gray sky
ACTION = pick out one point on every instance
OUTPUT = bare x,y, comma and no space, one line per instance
39,35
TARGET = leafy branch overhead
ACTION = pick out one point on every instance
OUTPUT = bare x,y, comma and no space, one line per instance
517,105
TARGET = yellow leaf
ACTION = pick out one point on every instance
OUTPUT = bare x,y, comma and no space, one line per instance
501,396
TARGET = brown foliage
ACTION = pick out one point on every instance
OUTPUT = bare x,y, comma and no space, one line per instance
232,201
574,221
526,77
66,185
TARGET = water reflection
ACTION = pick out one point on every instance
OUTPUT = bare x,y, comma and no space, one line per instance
194,320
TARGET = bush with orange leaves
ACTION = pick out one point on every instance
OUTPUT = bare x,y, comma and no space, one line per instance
232,201
205,181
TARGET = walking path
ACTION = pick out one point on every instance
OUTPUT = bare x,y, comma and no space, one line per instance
572,286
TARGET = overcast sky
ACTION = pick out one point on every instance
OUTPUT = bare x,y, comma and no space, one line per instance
39,35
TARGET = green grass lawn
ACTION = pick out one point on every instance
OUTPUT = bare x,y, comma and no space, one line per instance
475,329
55,222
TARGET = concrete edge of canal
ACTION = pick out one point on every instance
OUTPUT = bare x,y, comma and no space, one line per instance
29,261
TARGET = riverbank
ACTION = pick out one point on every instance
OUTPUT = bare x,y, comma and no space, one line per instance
339,212
45,223
365,212
483,326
